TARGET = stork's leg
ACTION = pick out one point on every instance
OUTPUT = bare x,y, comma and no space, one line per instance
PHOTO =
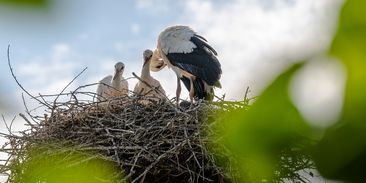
191,90
179,89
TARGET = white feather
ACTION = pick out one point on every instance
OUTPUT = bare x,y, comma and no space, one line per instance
141,88
176,39
106,90
103,89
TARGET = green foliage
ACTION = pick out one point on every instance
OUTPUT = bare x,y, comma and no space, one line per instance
260,135
25,2
62,165
341,154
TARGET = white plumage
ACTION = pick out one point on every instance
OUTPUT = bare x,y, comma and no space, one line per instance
191,58
113,86
141,88
176,39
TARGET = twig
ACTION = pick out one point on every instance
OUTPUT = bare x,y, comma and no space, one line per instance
18,83
26,120
54,102
27,110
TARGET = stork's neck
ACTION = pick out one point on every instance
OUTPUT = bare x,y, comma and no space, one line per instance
145,73
116,82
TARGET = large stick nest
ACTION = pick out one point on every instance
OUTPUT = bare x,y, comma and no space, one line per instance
154,142
148,143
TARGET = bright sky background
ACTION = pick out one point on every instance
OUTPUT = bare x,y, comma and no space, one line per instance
255,39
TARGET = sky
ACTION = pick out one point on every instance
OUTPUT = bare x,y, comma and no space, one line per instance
255,40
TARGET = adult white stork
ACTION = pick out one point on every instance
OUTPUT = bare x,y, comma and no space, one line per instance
141,87
114,86
192,59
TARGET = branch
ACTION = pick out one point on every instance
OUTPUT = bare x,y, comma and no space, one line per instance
54,102
16,80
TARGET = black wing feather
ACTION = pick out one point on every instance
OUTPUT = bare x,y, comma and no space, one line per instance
198,41
201,62
196,35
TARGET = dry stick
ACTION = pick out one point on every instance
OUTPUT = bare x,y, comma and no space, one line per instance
4,165
70,83
50,95
92,84
11,123
26,120
157,161
84,86
6,124
189,143
75,98
18,83
27,111
41,96
134,164
54,102
202,149
114,144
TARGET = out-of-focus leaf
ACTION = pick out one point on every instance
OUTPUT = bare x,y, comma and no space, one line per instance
25,2
341,154
63,166
258,135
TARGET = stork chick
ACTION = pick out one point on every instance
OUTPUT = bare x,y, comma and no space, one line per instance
141,87
110,87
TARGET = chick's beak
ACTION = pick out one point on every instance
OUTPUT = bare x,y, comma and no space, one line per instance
147,59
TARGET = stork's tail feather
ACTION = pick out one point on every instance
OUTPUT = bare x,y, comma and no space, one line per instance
199,88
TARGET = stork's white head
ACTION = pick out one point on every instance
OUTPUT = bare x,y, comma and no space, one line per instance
118,69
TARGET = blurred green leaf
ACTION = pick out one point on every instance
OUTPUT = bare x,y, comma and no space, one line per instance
62,165
25,2
258,135
341,154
